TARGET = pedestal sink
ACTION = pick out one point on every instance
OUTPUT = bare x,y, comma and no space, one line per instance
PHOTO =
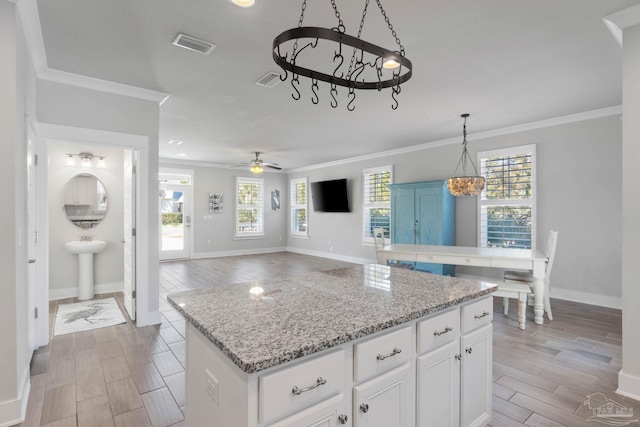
85,251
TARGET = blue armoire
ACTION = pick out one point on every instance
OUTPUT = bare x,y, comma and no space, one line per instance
423,213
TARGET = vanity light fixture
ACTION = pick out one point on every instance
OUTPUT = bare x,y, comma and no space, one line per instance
86,160
465,185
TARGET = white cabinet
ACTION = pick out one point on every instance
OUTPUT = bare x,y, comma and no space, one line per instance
385,400
476,377
438,387
79,190
454,380
329,413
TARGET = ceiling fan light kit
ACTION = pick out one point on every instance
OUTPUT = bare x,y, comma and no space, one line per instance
257,165
351,62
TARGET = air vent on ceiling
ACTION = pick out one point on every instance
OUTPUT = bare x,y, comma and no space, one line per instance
193,43
269,80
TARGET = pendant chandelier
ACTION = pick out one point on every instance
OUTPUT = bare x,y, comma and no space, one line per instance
465,185
349,61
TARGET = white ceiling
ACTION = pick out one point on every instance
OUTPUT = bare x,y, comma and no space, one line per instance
506,62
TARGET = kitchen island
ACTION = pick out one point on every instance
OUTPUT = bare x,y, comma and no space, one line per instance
364,346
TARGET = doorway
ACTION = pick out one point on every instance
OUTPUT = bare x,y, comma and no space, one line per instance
175,213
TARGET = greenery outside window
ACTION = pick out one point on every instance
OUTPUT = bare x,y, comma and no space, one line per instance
376,200
507,205
249,207
299,219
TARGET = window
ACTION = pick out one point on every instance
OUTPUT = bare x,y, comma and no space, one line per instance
298,191
250,207
507,205
376,201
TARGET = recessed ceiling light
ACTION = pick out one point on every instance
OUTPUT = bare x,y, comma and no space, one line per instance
182,155
243,3
175,142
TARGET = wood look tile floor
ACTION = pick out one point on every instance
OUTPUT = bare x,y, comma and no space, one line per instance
127,376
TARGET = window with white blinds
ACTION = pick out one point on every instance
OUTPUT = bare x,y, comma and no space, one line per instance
249,207
507,205
376,200
298,190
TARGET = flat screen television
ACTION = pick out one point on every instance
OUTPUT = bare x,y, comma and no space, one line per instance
330,196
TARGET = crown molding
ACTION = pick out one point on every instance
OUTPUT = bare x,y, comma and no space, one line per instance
557,121
618,21
30,19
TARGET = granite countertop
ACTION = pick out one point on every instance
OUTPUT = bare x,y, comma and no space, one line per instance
265,323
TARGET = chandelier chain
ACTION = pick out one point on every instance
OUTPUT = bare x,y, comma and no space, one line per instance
304,7
353,55
341,26
393,32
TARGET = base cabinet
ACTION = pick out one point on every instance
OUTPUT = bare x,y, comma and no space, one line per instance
434,371
383,401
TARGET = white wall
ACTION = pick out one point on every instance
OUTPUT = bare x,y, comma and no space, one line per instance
108,265
215,237
579,194
17,91
629,376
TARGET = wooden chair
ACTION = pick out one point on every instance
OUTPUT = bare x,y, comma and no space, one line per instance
514,277
378,241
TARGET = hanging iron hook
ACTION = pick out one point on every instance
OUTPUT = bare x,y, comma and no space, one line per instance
334,92
352,95
314,87
395,91
295,79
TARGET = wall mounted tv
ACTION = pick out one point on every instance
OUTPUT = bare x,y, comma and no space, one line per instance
330,196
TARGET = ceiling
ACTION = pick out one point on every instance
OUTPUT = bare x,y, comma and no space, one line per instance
506,62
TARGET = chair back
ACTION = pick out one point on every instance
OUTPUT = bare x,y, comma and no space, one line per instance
378,241
550,253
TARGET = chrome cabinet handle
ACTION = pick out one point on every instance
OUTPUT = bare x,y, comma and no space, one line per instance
393,353
343,419
480,316
446,329
469,350
458,356
364,408
297,391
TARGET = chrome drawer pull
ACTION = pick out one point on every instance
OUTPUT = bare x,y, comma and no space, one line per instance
484,313
297,391
446,329
343,418
364,407
393,353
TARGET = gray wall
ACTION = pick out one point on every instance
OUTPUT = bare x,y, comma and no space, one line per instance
109,264
579,194
215,237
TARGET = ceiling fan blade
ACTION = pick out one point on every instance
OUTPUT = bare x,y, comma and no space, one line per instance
272,166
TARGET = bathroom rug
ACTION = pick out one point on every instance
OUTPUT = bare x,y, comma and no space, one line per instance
87,315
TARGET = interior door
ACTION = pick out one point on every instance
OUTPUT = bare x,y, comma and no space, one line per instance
175,211
32,240
129,232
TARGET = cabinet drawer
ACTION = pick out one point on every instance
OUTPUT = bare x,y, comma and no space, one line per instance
438,330
299,386
455,260
477,314
381,354
325,413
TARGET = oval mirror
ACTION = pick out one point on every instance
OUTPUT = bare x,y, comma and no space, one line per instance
85,200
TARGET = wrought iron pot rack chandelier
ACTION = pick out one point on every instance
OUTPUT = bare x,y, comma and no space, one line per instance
370,66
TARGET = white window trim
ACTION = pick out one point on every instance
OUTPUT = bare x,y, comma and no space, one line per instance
293,206
241,236
368,241
512,151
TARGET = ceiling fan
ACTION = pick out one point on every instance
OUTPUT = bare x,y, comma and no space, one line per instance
257,165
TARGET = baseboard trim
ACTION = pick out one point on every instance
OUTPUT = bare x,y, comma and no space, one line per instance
103,288
586,298
253,251
332,255
628,385
14,411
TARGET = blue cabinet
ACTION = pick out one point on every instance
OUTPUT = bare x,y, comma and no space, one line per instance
423,213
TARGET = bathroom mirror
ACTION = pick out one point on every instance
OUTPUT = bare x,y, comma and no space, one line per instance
85,200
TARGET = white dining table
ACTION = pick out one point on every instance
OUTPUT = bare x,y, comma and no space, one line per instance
520,259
